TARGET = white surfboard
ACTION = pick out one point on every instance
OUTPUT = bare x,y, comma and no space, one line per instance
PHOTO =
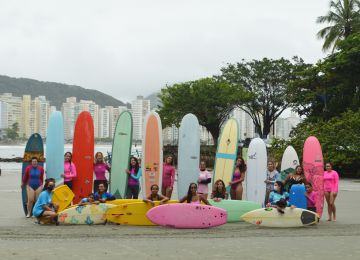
289,161
256,171
188,153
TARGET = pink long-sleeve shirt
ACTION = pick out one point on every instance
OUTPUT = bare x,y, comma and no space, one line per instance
99,170
69,171
331,181
311,200
168,175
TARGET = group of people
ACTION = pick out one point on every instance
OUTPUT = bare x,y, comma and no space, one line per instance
277,191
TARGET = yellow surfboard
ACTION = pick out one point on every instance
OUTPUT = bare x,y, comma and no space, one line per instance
62,196
119,202
226,152
132,213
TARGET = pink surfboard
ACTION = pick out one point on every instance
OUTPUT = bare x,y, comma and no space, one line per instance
184,215
313,164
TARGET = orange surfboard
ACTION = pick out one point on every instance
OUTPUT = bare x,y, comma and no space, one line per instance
152,153
83,156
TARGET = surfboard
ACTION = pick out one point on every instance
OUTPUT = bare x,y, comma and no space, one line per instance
289,162
185,215
235,208
256,171
270,217
297,196
83,156
188,153
34,148
132,213
120,155
152,161
85,215
226,152
62,196
313,164
55,148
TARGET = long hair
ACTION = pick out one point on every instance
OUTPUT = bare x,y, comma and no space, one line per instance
95,159
136,167
216,190
172,159
243,166
281,187
70,161
47,183
189,194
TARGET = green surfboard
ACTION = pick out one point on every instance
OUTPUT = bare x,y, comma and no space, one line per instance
235,208
121,150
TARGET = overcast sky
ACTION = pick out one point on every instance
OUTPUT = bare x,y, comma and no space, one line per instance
130,48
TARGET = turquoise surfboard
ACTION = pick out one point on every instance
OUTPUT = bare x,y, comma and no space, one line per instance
55,147
120,155
34,148
188,153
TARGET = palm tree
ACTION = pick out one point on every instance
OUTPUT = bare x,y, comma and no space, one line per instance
344,20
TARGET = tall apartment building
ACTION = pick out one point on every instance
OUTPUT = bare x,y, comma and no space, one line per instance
114,116
246,125
93,108
3,115
70,109
104,122
14,108
41,109
283,126
171,135
139,108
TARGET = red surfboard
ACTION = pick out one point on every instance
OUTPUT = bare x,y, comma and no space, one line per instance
83,156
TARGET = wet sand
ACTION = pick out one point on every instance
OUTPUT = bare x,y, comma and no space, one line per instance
20,238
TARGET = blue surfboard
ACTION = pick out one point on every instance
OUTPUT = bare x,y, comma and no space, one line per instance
34,148
55,147
297,196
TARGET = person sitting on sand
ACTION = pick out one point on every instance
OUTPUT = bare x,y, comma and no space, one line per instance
193,197
155,196
44,207
219,193
101,195
89,200
310,197
277,194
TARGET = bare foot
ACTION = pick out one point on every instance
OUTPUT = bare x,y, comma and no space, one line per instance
329,219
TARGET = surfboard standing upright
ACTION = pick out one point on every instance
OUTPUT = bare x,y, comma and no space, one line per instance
152,152
55,148
256,171
34,148
83,155
188,153
226,152
121,150
313,164
289,162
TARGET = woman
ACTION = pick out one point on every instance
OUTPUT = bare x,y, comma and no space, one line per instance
133,179
101,195
203,180
236,190
33,179
168,177
69,170
272,175
277,194
219,193
193,197
44,206
297,177
331,188
100,168
155,196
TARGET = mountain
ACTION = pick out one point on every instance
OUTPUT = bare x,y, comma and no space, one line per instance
56,93
154,100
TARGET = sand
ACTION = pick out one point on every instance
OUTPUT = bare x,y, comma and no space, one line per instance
20,238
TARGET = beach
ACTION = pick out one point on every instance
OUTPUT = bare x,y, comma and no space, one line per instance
21,238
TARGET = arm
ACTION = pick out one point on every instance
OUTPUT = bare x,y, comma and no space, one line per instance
26,176
172,176
205,201
212,195
287,178
41,176
242,178
207,181
336,183
137,176
163,199
226,195
183,199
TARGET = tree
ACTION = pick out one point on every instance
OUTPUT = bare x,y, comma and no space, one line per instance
210,99
344,20
12,133
266,81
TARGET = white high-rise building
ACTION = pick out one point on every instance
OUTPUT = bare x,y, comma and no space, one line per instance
93,108
171,135
27,124
104,122
14,108
70,110
139,108
246,125
114,117
41,115
3,115
205,136
283,126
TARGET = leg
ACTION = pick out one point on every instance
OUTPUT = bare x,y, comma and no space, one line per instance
239,191
267,197
232,194
332,202
128,193
37,193
136,192
163,190
49,215
327,197
30,200
169,192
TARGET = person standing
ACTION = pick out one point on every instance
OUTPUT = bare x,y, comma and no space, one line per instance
236,190
272,175
100,168
69,170
168,177
133,179
331,188
203,180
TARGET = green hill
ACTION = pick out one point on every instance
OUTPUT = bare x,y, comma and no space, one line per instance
56,93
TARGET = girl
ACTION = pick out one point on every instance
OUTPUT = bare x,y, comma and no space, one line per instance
133,179
33,179
219,193
89,200
297,177
69,170
331,188
203,180
272,175
193,197
155,196
310,197
277,194
236,190
101,195
168,177
100,167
